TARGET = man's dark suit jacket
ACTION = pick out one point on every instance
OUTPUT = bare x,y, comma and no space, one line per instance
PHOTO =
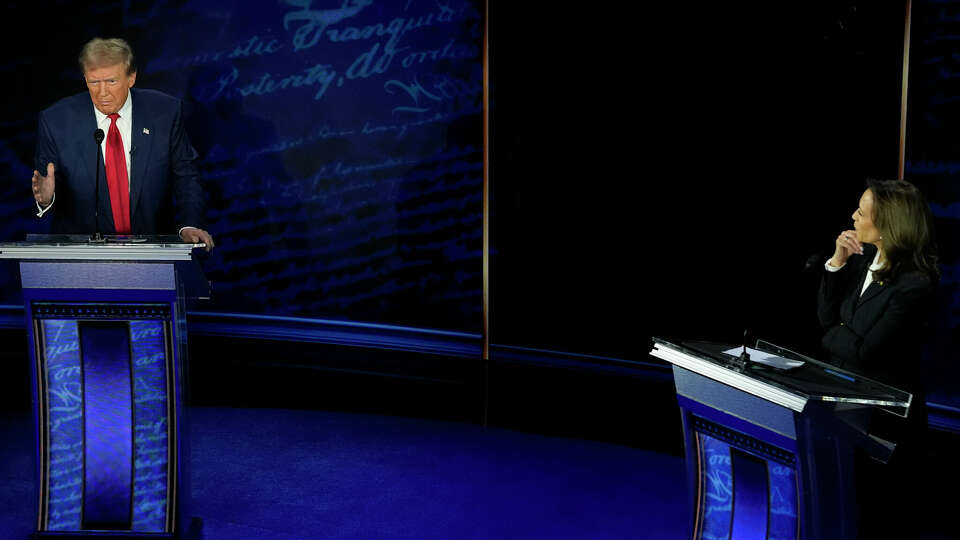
879,334
163,171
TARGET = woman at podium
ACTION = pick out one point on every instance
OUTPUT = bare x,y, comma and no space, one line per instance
874,301
877,291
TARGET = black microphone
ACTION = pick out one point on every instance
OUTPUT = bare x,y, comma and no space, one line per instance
742,362
745,355
98,137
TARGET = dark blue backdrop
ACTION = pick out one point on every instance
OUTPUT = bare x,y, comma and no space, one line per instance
932,163
340,145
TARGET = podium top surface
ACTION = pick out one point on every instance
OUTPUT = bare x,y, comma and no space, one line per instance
793,388
111,248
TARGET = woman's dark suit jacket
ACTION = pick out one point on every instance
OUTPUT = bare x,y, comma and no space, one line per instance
879,334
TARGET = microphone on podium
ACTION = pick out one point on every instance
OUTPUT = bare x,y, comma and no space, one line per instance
742,362
98,137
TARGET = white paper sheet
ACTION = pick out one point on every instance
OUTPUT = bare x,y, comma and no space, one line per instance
768,359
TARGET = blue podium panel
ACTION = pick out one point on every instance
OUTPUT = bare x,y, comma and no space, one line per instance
715,489
107,425
783,521
152,487
63,378
747,489
108,446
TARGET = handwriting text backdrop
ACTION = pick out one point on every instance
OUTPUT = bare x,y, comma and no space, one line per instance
341,145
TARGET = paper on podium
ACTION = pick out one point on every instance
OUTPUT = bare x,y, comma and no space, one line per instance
763,357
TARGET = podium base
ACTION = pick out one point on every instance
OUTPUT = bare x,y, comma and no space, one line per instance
194,531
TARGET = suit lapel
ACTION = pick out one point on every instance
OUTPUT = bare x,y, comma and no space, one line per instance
872,291
874,288
140,146
854,302
854,298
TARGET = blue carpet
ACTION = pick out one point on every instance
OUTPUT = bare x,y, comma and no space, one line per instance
290,474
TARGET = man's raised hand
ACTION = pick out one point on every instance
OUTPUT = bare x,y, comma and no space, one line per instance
43,187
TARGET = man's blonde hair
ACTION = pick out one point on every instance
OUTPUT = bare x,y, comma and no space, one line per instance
99,52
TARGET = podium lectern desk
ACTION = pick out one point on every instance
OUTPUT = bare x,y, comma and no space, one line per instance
770,451
107,338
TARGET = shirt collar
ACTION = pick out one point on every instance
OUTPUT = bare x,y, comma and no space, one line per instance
125,110
875,265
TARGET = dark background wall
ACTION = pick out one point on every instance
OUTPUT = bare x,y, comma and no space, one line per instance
672,174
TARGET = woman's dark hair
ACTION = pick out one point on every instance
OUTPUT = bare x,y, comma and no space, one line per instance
905,222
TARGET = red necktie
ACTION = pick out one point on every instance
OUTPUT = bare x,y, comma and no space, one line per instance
116,165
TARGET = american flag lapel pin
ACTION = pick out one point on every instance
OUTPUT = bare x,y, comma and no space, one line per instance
146,131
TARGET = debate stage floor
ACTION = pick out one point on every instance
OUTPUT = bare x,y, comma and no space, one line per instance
297,474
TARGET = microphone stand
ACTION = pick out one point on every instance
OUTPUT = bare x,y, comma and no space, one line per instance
97,238
742,362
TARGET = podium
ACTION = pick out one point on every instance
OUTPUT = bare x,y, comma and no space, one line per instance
107,338
770,450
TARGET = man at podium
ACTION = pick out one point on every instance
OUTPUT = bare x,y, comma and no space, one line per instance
147,160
